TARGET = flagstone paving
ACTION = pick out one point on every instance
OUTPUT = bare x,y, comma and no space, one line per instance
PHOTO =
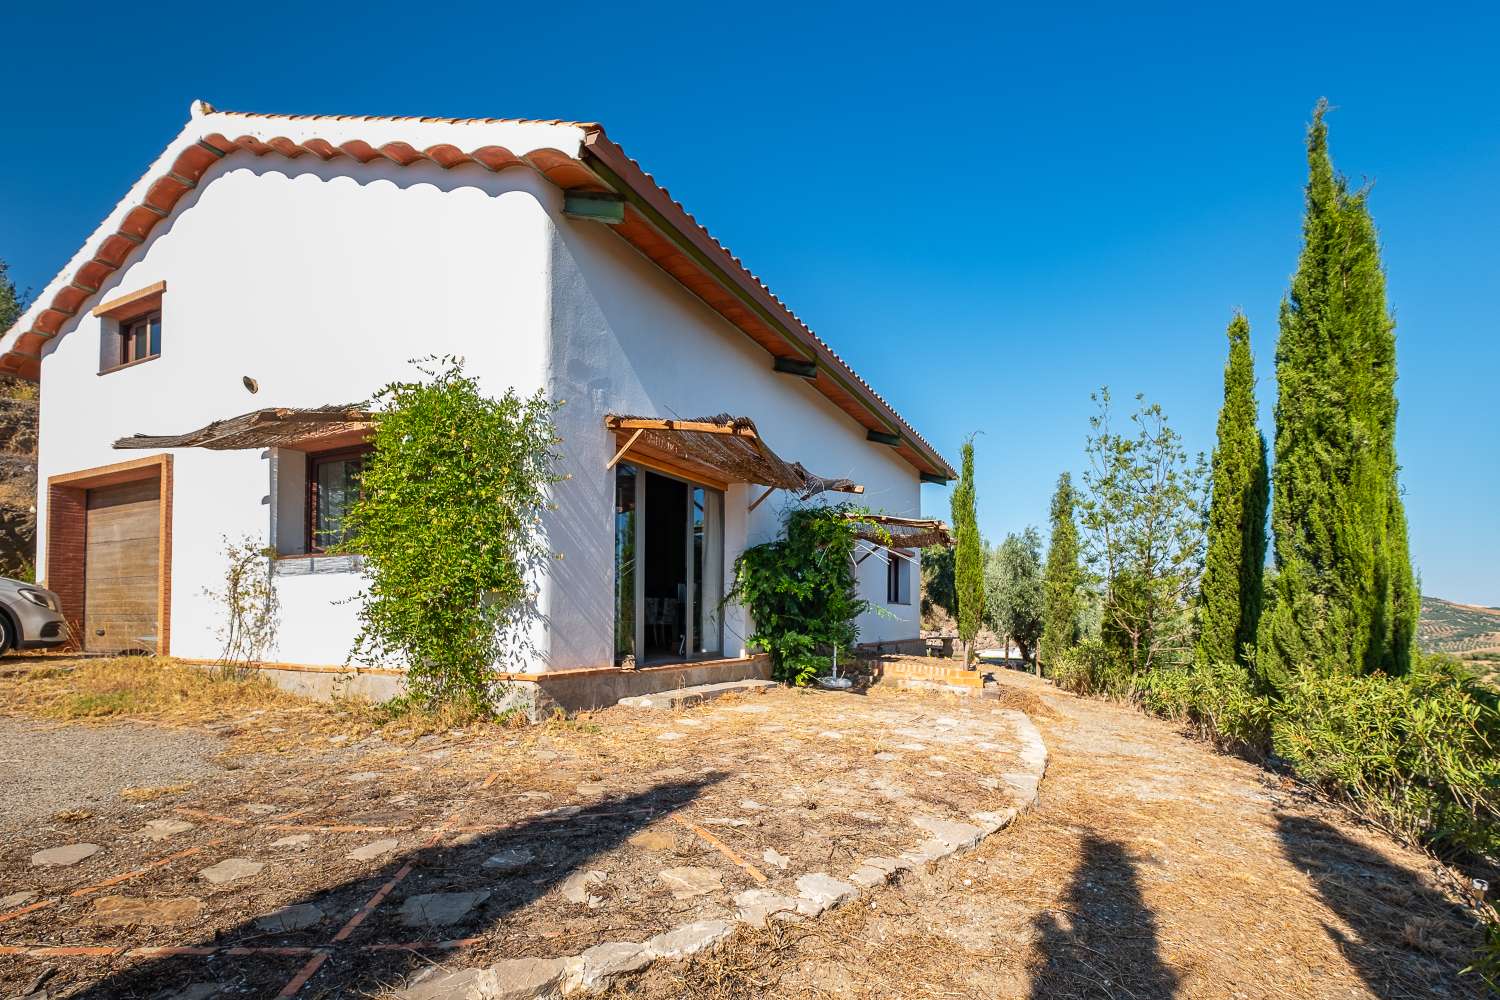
552,859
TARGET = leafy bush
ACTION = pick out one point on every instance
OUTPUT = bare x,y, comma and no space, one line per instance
801,592
1092,668
448,518
1420,752
1218,700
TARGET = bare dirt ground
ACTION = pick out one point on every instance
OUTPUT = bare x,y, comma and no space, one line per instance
1152,867
52,767
377,856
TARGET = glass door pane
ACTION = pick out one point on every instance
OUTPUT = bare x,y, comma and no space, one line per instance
625,561
707,556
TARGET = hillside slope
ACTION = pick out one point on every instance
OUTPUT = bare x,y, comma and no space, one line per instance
1469,632
18,417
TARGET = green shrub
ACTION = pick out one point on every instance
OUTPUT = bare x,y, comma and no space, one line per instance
449,522
1420,752
1220,702
1093,668
801,592
1487,965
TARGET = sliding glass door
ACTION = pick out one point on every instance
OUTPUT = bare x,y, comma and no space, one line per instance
669,567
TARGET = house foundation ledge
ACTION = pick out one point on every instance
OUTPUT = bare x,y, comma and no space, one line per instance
537,694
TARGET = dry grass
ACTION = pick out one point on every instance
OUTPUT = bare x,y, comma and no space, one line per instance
1153,867
155,690
152,793
254,714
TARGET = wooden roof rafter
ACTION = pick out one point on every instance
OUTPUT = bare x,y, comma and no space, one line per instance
278,426
729,448
891,532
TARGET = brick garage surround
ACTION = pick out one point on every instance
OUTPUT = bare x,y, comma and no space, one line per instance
67,505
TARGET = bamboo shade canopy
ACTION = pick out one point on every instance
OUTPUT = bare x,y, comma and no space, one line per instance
729,446
900,532
279,426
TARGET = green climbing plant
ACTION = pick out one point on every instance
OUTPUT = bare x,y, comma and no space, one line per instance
448,521
801,592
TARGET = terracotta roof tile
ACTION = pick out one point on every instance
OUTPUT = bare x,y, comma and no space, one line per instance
566,170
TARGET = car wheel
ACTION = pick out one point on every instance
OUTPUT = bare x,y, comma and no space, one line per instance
7,635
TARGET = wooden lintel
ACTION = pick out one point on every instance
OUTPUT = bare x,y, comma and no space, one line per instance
123,303
621,453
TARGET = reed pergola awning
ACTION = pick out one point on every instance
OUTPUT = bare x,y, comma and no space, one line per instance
900,532
728,448
276,427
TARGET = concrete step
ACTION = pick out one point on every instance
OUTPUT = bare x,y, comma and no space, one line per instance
697,695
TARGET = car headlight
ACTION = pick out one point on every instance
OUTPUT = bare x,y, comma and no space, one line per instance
39,598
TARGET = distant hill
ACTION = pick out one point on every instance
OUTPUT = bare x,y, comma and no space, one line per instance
1468,631
1446,627
18,409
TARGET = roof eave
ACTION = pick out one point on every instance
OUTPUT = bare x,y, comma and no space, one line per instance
611,162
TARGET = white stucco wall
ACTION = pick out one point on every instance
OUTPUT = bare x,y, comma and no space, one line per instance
320,281
627,338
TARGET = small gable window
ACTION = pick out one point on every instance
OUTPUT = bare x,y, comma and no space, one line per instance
140,338
130,329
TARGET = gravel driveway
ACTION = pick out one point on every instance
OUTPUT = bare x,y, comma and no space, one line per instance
49,768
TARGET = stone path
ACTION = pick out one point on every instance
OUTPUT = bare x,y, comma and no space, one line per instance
1151,868
565,855
811,894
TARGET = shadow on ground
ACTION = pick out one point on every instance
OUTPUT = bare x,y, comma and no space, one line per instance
1403,937
352,967
1102,941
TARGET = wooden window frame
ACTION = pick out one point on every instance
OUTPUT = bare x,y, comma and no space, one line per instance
125,311
129,334
897,572
315,459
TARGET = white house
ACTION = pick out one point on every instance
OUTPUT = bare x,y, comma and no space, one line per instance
309,258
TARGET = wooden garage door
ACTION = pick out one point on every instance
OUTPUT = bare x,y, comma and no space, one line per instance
122,557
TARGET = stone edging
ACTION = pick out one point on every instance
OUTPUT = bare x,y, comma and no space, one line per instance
592,969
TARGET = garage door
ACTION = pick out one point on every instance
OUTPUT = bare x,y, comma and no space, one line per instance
122,557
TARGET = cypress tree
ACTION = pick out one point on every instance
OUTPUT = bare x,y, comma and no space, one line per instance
968,560
1345,598
1061,579
10,299
1229,601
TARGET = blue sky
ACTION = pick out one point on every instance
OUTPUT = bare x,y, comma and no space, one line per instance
1040,202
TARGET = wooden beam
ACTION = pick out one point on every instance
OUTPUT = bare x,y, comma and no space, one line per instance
696,426
122,303
621,453
880,437
762,498
935,478
594,206
795,366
